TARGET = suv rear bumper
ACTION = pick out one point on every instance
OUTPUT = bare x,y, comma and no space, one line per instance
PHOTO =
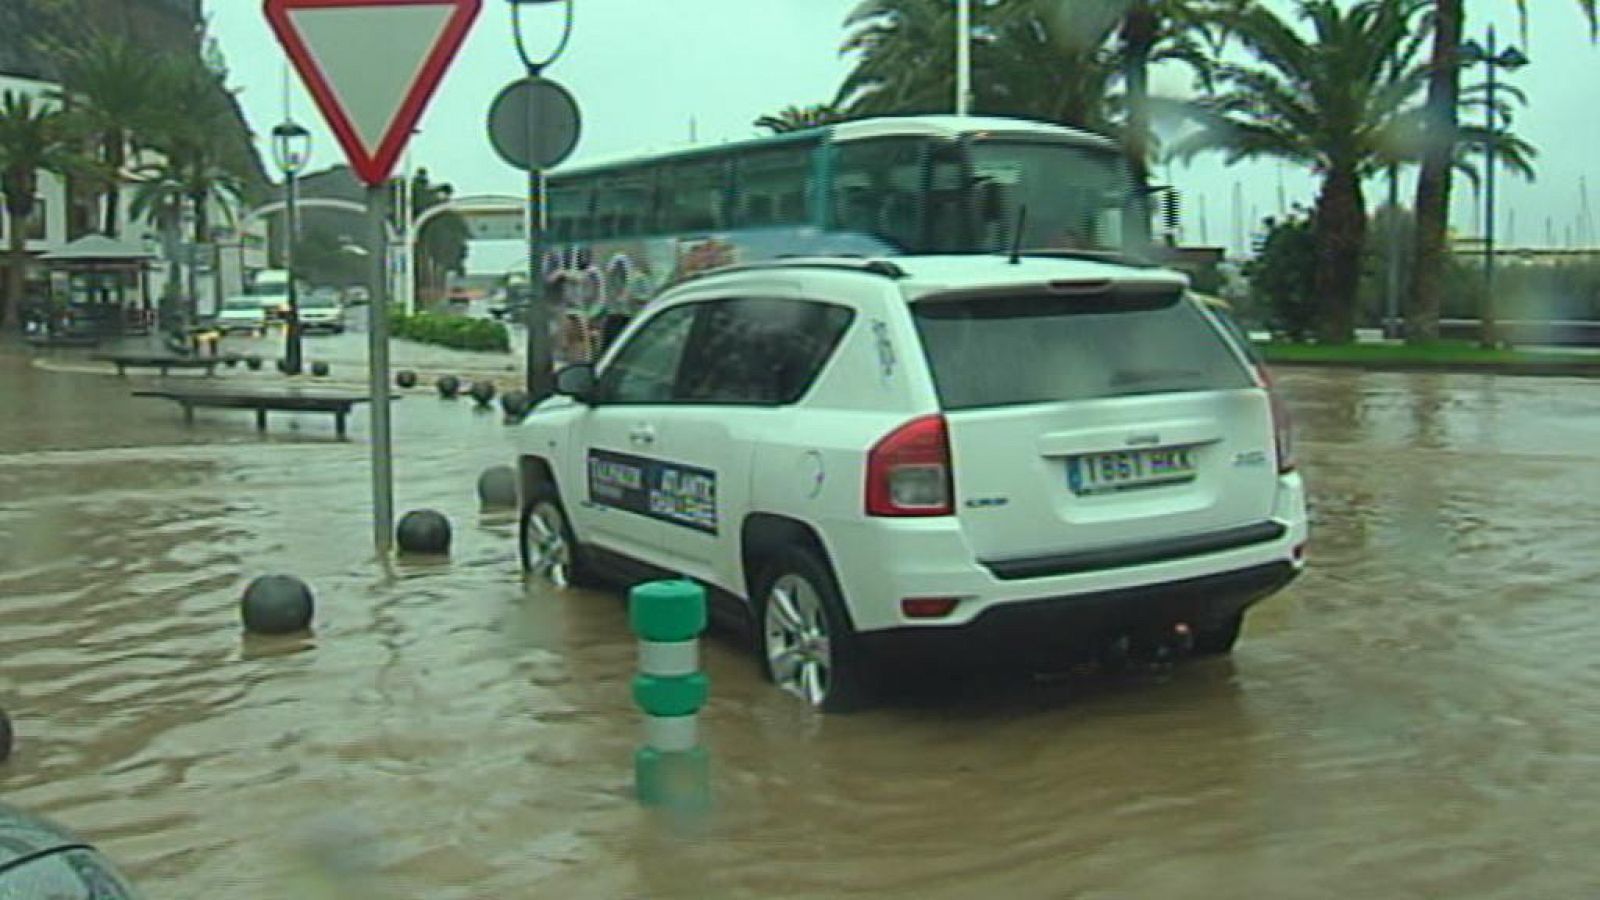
1057,628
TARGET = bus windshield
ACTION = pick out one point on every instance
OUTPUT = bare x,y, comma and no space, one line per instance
1077,198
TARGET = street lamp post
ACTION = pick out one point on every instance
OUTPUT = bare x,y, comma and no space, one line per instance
291,150
1493,59
963,57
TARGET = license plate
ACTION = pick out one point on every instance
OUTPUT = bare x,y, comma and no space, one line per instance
1101,473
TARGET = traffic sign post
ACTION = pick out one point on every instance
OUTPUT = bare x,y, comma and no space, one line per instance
534,125
372,101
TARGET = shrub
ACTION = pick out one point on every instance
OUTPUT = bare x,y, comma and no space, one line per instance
457,332
1281,275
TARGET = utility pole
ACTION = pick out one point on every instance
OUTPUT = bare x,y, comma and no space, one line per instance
1494,59
963,57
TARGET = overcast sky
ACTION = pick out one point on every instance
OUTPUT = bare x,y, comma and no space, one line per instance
644,70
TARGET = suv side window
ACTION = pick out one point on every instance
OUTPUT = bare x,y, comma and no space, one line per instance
646,368
760,352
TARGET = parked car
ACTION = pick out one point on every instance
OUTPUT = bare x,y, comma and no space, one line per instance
241,313
41,860
321,311
924,461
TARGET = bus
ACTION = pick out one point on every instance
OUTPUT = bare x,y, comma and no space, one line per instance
617,233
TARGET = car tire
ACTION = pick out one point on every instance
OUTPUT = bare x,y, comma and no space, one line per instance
548,546
1219,639
837,680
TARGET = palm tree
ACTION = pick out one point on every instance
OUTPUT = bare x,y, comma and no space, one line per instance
800,118
1433,181
1052,61
108,84
442,243
905,57
196,169
1154,31
1059,61
1334,103
33,139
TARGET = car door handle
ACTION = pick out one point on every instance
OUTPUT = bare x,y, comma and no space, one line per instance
642,434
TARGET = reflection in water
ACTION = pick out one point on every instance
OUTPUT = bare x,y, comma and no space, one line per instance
1415,716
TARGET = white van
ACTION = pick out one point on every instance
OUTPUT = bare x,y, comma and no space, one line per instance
271,289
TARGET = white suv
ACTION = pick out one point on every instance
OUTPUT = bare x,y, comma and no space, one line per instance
933,458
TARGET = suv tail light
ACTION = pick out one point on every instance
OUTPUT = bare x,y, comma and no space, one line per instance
1282,430
909,471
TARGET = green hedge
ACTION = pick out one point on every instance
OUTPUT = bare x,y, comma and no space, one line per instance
458,332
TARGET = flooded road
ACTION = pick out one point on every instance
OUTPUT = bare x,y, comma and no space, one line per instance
1416,717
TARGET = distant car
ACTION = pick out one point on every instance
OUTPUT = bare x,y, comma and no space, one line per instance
321,312
242,313
357,296
39,859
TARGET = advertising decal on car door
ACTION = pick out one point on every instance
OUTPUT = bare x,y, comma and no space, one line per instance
681,495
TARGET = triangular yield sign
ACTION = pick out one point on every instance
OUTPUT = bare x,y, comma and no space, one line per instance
372,66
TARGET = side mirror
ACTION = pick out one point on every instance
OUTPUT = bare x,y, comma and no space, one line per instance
577,382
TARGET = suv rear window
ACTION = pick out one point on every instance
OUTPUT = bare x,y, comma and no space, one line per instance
1009,350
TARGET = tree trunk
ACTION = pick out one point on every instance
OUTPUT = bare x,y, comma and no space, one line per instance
202,230
1139,27
16,269
1433,181
116,157
1341,230
17,193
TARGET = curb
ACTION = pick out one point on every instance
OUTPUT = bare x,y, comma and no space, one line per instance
1525,370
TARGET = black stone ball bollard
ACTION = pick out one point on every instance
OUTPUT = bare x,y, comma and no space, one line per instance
277,604
448,386
423,531
319,369
497,488
283,367
517,404
6,736
483,392
231,362
405,378
253,363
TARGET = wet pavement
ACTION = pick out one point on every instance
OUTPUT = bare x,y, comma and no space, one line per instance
1414,718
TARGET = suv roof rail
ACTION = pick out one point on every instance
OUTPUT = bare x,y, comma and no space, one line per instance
847,263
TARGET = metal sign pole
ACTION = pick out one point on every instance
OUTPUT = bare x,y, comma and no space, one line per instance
378,372
540,365
544,122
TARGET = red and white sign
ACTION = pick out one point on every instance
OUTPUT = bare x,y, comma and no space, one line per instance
372,66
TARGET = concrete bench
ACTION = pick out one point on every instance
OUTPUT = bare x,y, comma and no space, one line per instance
164,363
49,341
262,400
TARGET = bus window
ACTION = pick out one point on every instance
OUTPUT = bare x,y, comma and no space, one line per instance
771,187
948,224
877,190
695,200
568,211
623,203
1076,197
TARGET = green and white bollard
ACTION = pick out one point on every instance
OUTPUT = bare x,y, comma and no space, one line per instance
671,769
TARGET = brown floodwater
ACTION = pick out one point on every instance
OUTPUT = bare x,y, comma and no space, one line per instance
1416,717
